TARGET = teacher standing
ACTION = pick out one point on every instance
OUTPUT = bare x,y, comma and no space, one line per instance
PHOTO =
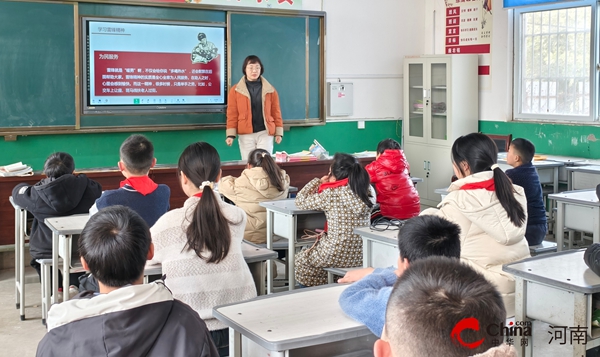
253,112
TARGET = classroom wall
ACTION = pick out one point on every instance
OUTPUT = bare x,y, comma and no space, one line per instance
495,103
365,45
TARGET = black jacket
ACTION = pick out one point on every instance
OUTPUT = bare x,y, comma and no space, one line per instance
52,197
136,320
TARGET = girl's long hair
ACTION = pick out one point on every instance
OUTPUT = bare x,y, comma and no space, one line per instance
262,158
480,153
209,229
346,166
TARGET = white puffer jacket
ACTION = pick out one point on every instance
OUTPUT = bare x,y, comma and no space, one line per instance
247,191
488,238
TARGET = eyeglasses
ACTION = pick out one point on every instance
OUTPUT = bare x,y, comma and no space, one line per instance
253,68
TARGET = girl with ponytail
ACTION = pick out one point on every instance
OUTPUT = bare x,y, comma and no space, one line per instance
490,210
346,196
262,180
200,244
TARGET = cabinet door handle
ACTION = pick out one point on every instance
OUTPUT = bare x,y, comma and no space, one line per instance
428,165
424,165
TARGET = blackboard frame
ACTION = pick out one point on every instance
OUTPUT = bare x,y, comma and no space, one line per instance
79,124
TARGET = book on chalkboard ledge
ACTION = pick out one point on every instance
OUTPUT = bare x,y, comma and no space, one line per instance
16,169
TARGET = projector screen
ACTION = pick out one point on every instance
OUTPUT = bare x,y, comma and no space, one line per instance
133,66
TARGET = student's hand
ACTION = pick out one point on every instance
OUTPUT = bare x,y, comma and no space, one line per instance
355,275
278,139
229,141
325,179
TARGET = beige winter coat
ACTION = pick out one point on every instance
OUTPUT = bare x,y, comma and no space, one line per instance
488,238
247,191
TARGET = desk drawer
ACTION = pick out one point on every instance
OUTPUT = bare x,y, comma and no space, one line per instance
546,175
582,180
581,218
555,306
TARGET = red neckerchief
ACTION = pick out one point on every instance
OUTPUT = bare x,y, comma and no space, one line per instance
199,194
142,184
334,184
487,185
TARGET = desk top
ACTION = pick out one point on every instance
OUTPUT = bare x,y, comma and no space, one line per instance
294,319
541,164
286,206
589,169
585,197
68,224
565,270
389,235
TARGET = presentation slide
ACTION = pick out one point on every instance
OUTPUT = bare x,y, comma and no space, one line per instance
157,64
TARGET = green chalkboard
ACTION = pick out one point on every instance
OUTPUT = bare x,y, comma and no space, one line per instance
281,44
37,65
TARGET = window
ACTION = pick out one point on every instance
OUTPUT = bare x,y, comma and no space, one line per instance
555,72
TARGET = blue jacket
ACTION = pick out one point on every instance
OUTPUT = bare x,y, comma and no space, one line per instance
366,300
151,207
527,177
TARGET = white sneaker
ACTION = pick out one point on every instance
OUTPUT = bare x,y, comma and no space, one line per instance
73,291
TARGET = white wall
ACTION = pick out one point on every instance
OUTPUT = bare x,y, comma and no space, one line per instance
366,43
495,103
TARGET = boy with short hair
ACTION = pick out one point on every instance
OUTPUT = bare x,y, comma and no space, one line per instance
419,238
520,154
127,318
137,191
61,193
442,307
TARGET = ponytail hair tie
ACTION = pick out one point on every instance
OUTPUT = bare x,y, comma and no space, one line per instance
204,184
263,154
494,167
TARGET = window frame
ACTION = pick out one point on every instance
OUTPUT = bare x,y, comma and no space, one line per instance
593,72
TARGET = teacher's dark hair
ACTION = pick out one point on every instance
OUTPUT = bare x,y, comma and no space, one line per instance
346,166
252,59
480,153
209,229
262,158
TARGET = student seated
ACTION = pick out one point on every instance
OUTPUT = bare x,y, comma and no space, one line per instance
127,318
490,210
419,238
200,244
520,154
262,180
61,193
426,306
396,193
137,191
346,196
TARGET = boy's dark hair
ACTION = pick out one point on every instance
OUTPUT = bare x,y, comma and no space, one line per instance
58,164
430,298
524,148
387,144
137,153
262,158
426,236
115,244
251,60
346,166
481,153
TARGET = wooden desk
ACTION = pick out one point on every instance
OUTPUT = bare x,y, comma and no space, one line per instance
300,174
380,248
582,177
577,210
557,289
296,320
287,221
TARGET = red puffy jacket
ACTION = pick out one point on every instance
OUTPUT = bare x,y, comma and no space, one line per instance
396,194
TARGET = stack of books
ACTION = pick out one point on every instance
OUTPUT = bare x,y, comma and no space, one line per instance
16,169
